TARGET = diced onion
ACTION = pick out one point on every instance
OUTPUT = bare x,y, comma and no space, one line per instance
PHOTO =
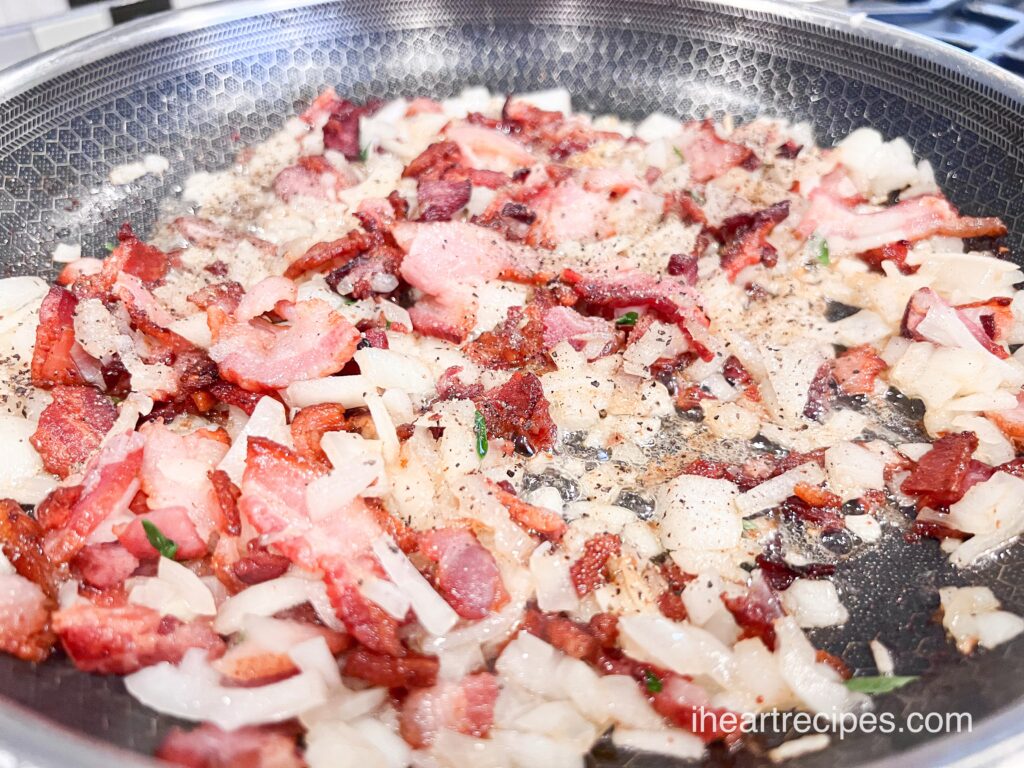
436,616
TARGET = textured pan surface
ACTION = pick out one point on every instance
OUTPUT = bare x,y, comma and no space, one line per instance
196,87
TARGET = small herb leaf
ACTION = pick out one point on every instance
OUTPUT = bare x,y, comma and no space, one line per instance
363,154
679,154
879,683
652,682
749,525
165,546
629,318
480,428
823,253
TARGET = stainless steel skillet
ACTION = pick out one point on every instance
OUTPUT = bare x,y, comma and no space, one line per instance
195,85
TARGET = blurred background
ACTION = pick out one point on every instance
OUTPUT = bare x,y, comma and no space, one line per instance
991,30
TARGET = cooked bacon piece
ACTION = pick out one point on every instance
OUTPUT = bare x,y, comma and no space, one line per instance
313,177
894,252
925,300
106,565
56,355
135,257
466,706
561,136
78,269
744,242
668,298
259,566
224,296
684,265
909,220
323,257
566,324
433,163
405,537
111,482
175,474
488,149
309,426
816,496
256,354
568,211
250,747
440,200
939,477
467,575
365,621
172,522
756,611
274,486
518,411
446,260
411,671
856,369
232,394
580,641
682,204
687,706
207,234
543,522
226,494
24,619
516,343
588,573
789,150
707,154
71,427
122,640
21,538
341,131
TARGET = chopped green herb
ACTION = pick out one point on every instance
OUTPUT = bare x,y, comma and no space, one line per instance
161,543
480,428
652,681
823,255
109,247
387,324
629,318
698,197
679,154
349,300
363,154
879,683
749,525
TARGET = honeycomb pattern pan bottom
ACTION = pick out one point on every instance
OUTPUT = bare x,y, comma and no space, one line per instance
191,85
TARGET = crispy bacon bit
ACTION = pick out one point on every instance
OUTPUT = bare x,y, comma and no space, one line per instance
439,200
24,619
411,671
466,706
779,574
232,394
566,324
538,520
250,747
684,265
365,621
21,540
225,296
588,573
789,150
744,239
518,410
71,427
516,343
135,257
172,522
226,494
341,131
259,566
894,252
682,204
708,155
111,481
756,611
106,565
687,706
660,297
323,257
939,478
312,177
467,575
816,496
580,641
56,351
819,393
311,423
124,639
433,162
856,369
